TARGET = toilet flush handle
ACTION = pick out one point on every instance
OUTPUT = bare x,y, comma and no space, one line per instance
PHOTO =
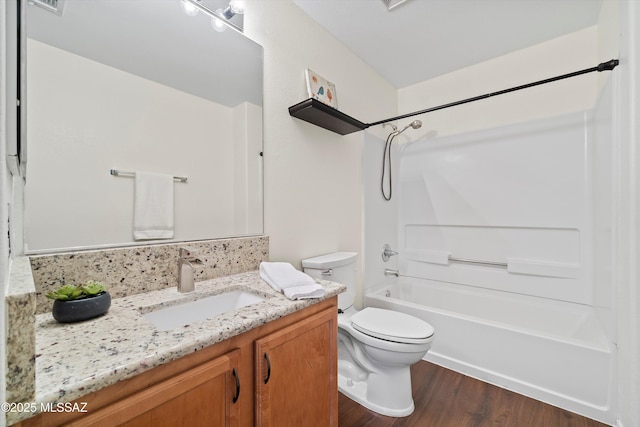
328,272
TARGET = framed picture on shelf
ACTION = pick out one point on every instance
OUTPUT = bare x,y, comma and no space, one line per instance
321,89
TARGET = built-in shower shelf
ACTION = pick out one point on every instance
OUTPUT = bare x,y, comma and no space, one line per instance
315,112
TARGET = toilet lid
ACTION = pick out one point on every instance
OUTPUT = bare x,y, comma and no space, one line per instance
392,326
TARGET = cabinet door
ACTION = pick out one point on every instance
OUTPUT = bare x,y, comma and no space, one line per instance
296,374
202,396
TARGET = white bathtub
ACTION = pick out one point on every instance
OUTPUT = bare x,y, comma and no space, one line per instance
553,351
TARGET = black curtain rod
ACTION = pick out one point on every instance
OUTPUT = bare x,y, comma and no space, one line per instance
604,66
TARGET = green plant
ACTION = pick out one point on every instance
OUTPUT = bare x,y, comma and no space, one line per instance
72,292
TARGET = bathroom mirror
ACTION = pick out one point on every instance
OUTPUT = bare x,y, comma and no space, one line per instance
138,85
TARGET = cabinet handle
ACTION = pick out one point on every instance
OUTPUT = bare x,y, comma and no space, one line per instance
235,374
266,357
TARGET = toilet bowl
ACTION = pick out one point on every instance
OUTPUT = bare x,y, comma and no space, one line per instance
376,347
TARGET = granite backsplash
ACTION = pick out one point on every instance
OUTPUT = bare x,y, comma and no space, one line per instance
134,270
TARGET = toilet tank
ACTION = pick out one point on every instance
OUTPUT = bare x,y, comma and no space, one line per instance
338,267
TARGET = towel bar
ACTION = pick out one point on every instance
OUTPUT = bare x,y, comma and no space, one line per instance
475,261
116,172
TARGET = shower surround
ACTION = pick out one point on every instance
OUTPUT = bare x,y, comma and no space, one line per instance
530,207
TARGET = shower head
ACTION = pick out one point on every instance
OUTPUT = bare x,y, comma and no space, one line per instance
416,124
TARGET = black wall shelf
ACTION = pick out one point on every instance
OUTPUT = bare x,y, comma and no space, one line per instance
313,111
319,114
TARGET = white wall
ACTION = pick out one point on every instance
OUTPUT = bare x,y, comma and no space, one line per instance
562,55
247,168
313,194
132,126
627,216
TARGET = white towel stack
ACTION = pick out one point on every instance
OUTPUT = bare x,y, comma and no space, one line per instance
153,206
283,277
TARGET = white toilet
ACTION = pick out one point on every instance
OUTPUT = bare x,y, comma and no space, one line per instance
376,347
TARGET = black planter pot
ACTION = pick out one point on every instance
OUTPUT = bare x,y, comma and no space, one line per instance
81,309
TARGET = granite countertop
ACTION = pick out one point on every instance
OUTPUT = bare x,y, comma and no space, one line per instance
73,360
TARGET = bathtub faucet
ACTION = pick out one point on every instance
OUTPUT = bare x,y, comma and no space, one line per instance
389,272
387,252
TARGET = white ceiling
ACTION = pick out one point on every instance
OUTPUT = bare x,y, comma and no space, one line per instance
422,39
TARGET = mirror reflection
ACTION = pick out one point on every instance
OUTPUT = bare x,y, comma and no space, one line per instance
139,86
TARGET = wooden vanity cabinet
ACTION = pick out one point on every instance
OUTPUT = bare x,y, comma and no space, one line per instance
203,396
296,381
224,384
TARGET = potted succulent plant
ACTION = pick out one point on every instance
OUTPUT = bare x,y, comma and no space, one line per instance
76,303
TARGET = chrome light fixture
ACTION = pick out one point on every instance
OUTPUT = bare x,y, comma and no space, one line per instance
219,18
189,9
218,24
235,7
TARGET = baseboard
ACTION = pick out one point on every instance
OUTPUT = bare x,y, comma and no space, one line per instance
601,414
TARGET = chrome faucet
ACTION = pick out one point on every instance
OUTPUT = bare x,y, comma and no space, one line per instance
389,272
387,252
186,268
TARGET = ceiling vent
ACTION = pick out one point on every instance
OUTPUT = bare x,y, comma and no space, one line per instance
54,6
391,4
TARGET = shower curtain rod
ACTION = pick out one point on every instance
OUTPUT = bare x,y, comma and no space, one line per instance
604,66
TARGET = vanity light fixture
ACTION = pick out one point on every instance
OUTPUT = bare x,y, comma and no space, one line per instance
218,24
189,9
235,7
219,18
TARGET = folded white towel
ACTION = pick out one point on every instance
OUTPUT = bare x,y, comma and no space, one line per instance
304,292
283,277
153,206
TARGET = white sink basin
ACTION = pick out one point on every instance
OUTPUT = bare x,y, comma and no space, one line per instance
166,319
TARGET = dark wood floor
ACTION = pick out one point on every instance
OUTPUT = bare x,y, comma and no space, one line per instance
445,398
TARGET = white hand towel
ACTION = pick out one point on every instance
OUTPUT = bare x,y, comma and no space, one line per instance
304,292
283,277
153,206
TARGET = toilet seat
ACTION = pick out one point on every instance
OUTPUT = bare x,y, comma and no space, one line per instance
392,326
